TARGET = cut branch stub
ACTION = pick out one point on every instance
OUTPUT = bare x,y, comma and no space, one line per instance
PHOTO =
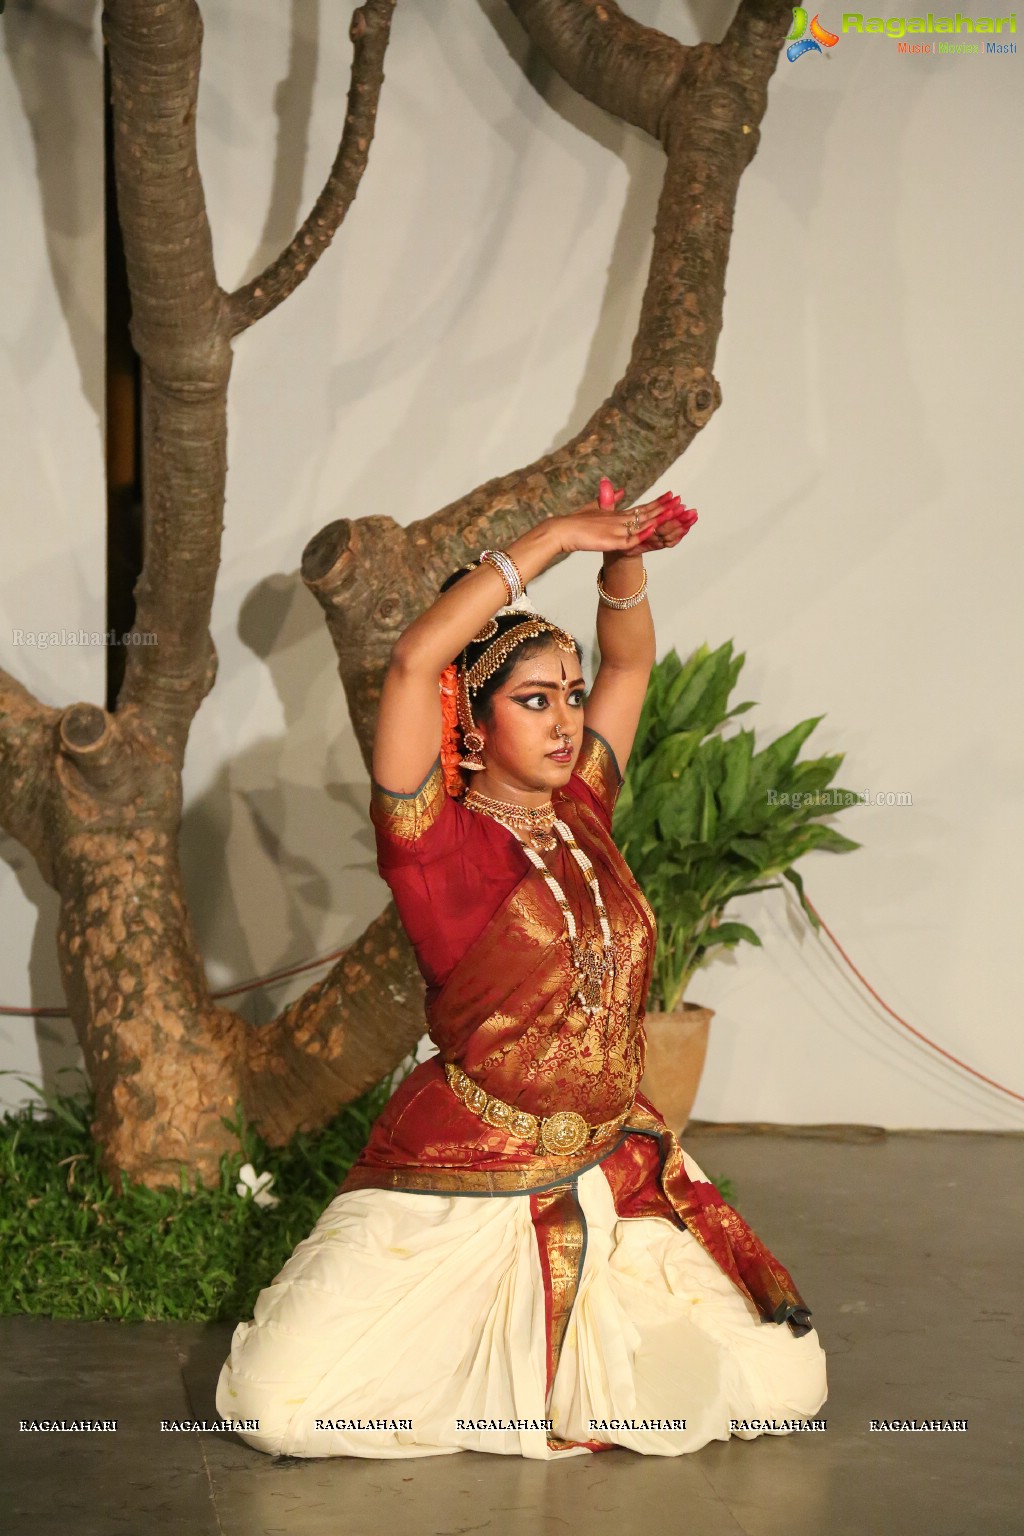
325,556
370,587
88,737
83,729
702,399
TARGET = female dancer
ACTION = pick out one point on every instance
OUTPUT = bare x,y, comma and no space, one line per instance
523,1260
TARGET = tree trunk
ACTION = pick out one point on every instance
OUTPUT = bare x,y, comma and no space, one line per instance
96,796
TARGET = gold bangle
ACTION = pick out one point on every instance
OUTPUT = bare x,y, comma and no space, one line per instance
621,602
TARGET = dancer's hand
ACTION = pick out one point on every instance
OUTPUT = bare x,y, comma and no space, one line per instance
605,528
672,523
619,532
669,527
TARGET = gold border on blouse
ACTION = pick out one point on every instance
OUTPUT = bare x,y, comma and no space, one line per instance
407,817
597,767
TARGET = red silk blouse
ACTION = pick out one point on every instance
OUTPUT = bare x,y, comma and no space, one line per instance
450,868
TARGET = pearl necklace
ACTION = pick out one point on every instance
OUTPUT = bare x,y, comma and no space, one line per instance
592,961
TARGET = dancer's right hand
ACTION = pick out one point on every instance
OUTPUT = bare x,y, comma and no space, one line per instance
594,528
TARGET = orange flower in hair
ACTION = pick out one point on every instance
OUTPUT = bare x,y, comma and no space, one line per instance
451,735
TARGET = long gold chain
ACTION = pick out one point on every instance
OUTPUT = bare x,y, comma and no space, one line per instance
592,962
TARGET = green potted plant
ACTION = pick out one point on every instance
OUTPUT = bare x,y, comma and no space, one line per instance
702,818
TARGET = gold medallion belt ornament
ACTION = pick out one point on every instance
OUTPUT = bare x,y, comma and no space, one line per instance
560,1134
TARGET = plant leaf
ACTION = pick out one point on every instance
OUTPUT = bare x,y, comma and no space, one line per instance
831,841
796,880
771,764
755,850
738,753
730,933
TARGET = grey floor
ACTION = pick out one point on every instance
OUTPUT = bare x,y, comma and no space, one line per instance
907,1246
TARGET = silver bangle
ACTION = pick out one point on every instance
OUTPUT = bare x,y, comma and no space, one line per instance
507,570
621,602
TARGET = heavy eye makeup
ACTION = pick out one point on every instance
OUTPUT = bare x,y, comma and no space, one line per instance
538,701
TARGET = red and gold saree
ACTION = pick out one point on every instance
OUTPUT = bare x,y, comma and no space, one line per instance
601,1265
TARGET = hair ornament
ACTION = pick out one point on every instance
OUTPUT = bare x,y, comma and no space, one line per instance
451,744
522,604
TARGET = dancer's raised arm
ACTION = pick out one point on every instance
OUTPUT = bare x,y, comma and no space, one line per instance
625,629
408,736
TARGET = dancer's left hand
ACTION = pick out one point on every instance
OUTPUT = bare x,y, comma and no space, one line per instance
672,524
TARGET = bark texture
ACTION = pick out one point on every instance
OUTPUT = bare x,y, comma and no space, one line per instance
705,105
95,796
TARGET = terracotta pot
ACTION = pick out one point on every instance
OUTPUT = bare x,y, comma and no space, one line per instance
676,1046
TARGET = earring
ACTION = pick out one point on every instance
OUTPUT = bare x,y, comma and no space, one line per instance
474,744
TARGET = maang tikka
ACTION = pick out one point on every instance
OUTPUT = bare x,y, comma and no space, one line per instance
472,678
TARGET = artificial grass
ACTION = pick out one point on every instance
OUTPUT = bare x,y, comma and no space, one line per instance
71,1247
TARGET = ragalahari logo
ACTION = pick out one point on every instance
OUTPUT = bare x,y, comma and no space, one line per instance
818,39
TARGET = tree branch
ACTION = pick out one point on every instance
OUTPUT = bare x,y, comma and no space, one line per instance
177,305
370,31
758,28
631,70
179,328
328,1046
668,392
709,124
371,577
26,758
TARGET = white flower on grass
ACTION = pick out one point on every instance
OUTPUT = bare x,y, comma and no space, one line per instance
256,1184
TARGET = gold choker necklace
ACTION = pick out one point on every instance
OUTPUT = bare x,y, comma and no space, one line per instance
532,823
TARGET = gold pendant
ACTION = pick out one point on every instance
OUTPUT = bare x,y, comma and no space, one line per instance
592,965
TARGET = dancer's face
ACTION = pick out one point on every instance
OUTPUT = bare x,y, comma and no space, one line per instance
533,733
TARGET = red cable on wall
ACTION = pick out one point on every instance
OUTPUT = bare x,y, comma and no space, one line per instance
900,1020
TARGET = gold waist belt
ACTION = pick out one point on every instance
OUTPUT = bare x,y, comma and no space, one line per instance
562,1133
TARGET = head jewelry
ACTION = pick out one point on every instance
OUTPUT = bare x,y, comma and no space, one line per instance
489,649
